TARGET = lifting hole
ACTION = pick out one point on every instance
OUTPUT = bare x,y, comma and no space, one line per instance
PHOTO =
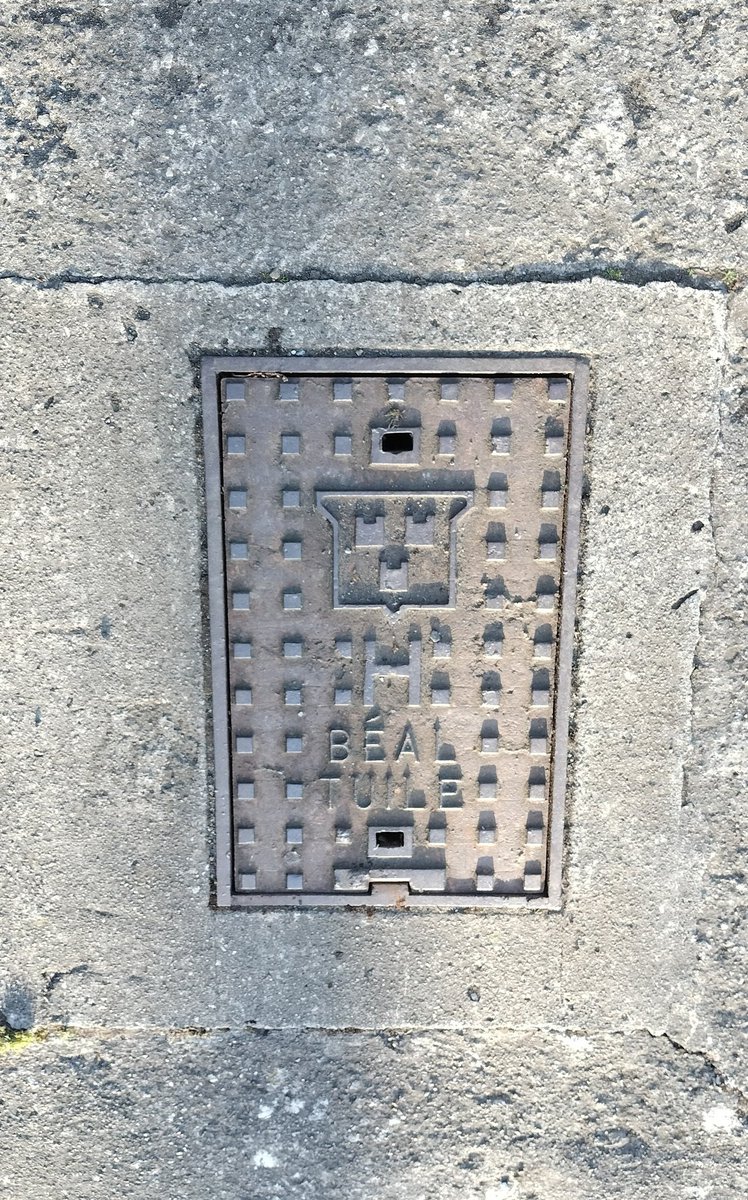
390,839
398,442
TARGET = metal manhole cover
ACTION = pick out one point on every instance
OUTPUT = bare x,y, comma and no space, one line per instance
393,552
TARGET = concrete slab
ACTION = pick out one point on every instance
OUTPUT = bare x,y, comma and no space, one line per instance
199,157
107,797
448,1116
229,140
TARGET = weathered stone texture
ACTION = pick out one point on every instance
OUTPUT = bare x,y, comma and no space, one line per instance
448,1116
713,1012
198,156
225,140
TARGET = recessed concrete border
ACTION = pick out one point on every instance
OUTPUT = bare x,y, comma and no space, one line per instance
125,797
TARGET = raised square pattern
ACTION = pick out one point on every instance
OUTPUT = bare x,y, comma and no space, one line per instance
403,655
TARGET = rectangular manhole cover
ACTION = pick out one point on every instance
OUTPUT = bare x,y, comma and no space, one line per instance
393,549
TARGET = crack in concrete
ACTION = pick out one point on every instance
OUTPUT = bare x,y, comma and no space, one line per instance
720,1078
682,599
42,1033
22,1039
54,979
636,274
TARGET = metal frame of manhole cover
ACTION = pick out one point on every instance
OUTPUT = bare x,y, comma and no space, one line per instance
393,548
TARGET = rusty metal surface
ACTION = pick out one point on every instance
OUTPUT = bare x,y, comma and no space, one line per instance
393,550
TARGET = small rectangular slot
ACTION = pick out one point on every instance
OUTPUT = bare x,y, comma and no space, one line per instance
390,839
397,442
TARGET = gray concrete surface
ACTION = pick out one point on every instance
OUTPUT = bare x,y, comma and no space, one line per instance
111,684
464,1116
713,901
168,138
599,1053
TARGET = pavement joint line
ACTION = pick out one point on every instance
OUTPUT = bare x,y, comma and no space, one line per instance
16,1041
725,281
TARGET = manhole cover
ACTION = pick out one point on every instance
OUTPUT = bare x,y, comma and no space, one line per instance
393,552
